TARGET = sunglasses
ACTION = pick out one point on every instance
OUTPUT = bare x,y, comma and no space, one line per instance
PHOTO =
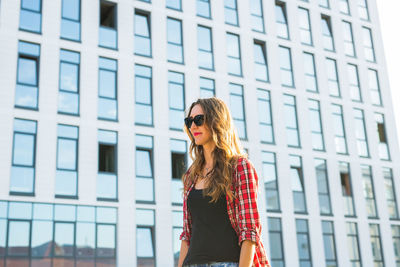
198,120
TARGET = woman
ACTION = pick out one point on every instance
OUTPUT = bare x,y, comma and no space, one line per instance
221,223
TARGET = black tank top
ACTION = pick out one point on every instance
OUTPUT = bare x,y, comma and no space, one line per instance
213,237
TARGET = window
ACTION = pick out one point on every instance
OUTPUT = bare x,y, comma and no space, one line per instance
23,157
257,16
352,241
348,39
344,7
177,228
176,92
108,25
396,242
333,78
203,8
144,184
231,12
376,244
281,20
205,48
338,125
145,237
143,95
360,132
310,74
292,127
107,171
175,41
71,20
382,137
374,87
27,89
207,87
238,110
275,235
305,27
329,243
265,116
286,67
368,44
347,191
321,173
147,1
369,193
390,194
69,84
67,161
174,4
270,181
327,34
298,187
178,168
303,242
30,17
260,61
324,3
316,125
142,34
107,102
363,9
354,83
233,52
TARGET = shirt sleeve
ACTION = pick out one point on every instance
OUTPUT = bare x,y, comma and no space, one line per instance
186,231
249,220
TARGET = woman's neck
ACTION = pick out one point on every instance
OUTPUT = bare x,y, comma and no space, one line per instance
207,150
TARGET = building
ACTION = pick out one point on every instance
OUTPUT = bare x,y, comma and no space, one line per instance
93,96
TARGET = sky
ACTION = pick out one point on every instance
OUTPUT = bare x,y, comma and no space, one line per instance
388,12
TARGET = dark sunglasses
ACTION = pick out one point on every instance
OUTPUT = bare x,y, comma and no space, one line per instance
198,120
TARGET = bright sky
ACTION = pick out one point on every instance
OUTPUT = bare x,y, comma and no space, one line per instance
388,11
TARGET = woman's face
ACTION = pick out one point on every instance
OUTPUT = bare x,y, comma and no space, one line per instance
201,134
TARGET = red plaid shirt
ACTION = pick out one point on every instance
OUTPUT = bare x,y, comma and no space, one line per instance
242,210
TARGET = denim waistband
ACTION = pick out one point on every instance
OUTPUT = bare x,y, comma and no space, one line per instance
214,264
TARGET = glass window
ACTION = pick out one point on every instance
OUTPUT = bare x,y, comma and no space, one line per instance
329,243
363,9
265,116
327,33
257,16
205,48
23,157
107,165
176,92
238,109
69,85
369,193
310,74
390,193
321,173
175,41
203,8
276,242
286,66
316,125
145,236
27,88
303,242
178,168
305,26
18,238
30,17
71,20
144,168
344,7
107,101
108,25
352,241
333,78
382,137
233,52
368,44
143,95
396,242
85,239
348,39
360,132
142,34
324,3
347,191
231,12
354,83
374,87
105,241
207,87
281,20
339,130
292,127
260,61
177,228
298,188
376,244
64,239
174,4
270,180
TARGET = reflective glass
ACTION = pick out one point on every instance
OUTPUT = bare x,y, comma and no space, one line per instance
70,30
65,213
107,83
68,102
144,189
64,239
18,238
142,90
42,237
174,4
67,154
203,8
71,9
30,21
22,179
145,217
85,239
69,75
106,186
143,163
43,211
3,209
20,210
105,240
66,183
26,96
107,37
174,31
24,149
144,238
86,214
106,215
3,235
27,71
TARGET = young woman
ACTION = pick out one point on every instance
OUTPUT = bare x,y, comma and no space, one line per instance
221,223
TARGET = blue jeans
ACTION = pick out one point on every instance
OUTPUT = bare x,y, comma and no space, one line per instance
214,264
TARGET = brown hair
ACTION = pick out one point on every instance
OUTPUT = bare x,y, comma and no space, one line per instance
228,149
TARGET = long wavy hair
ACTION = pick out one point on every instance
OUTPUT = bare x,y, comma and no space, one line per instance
228,149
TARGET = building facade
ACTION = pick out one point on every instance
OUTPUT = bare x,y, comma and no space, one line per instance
92,100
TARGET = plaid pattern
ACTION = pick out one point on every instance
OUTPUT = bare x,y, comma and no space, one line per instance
242,210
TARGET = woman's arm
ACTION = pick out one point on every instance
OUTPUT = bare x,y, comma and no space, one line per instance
247,253
182,254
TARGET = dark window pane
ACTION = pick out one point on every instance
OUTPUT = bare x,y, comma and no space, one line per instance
108,14
107,158
178,165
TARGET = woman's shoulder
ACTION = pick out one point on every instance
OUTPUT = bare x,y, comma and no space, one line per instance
243,162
